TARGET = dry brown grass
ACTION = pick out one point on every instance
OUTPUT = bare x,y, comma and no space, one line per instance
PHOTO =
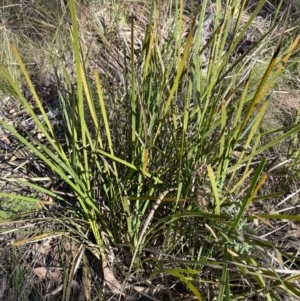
105,34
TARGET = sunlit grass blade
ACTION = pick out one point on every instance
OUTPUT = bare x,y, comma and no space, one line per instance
181,65
241,181
51,139
294,129
126,163
180,96
250,139
217,202
251,193
277,217
32,200
32,90
186,281
224,283
262,88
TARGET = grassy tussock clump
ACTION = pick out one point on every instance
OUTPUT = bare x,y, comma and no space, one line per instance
152,167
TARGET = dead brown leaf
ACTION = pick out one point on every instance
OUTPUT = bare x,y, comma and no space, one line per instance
44,273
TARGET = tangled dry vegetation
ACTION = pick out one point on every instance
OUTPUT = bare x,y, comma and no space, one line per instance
44,253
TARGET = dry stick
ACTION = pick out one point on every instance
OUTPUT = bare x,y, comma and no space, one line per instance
147,221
